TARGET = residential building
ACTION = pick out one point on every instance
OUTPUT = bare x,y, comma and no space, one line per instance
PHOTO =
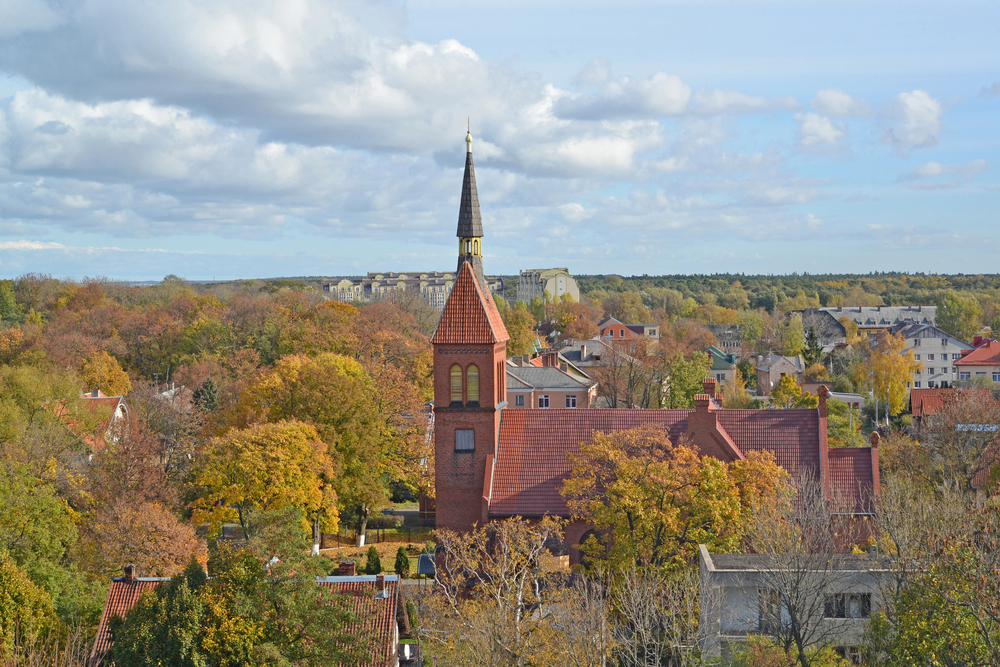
880,318
373,601
829,331
587,354
613,330
492,462
983,360
723,365
925,402
433,286
548,387
554,282
773,367
937,352
108,411
730,336
839,592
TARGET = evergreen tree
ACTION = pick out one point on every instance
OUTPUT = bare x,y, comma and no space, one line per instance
402,562
373,564
206,396
813,350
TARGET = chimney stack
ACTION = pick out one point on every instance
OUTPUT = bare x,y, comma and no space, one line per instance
95,393
129,574
822,392
840,309
348,568
708,384
380,583
874,438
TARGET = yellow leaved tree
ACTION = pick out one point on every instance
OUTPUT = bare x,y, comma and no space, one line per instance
102,371
890,366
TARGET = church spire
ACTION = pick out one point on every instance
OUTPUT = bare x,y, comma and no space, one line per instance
470,222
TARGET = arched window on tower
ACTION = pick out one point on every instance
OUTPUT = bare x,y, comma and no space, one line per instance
475,247
456,384
472,383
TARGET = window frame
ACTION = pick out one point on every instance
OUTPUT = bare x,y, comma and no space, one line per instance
472,383
571,398
519,400
543,398
455,378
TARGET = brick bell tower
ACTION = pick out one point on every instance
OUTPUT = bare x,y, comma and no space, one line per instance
470,376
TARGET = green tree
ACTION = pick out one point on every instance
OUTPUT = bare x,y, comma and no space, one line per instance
795,338
373,563
787,394
206,396
654,501
265,468
959,316
25,608
685,376
402,565
813,351
520,325
843,425
9,311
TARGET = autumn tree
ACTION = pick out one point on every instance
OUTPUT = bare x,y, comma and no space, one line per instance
370,427
959,316
962,438
265,468
735,394
653,501
520,325
26,612
794,342
787,395
890,367
102,371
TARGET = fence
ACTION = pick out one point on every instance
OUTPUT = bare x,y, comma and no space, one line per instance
347,537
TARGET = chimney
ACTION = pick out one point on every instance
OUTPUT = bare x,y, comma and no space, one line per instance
583,352
95,393
708,384
977,341
878,309
379,583
840,309
348,568
920,309
822,392
129,574
874,438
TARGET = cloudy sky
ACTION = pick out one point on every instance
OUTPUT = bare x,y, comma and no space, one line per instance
255,138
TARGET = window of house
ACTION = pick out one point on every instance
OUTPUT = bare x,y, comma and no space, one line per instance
980,374
472,383
917,372
956,356
850,653
848,605
571,401
721,377
931,384
944,369
456,384
621,333
543,401
916,385
930,357
930,371
917,357
611,333
465,440
768,610
963,376
916,342
944,341
519,400
996,377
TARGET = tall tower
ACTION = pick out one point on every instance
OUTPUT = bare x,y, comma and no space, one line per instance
470,222
470,377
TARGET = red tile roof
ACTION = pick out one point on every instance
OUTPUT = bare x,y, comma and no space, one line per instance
925,402
122,596
470,316
377,616
532,464
987,354
852,477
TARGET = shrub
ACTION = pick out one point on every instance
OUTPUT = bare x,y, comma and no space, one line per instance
402,562
373,564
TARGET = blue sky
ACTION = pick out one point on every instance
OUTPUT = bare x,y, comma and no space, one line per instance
223,139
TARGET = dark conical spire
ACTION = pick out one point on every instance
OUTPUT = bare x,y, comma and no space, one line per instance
470,222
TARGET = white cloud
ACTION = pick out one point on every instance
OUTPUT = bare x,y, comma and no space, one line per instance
718,101
838,104
657,96
817,131
914,120
922,177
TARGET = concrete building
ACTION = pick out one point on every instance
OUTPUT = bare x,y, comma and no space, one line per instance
538,282
548,387
738,598
937,352
433,286
880,318
730,336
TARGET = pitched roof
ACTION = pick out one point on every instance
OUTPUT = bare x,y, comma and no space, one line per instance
470,316
852,477
721,361
532,463
122,596
470,222
883,316
772,360
925,402
987,354
377,615
547,377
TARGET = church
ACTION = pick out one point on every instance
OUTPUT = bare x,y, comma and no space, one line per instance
494,463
